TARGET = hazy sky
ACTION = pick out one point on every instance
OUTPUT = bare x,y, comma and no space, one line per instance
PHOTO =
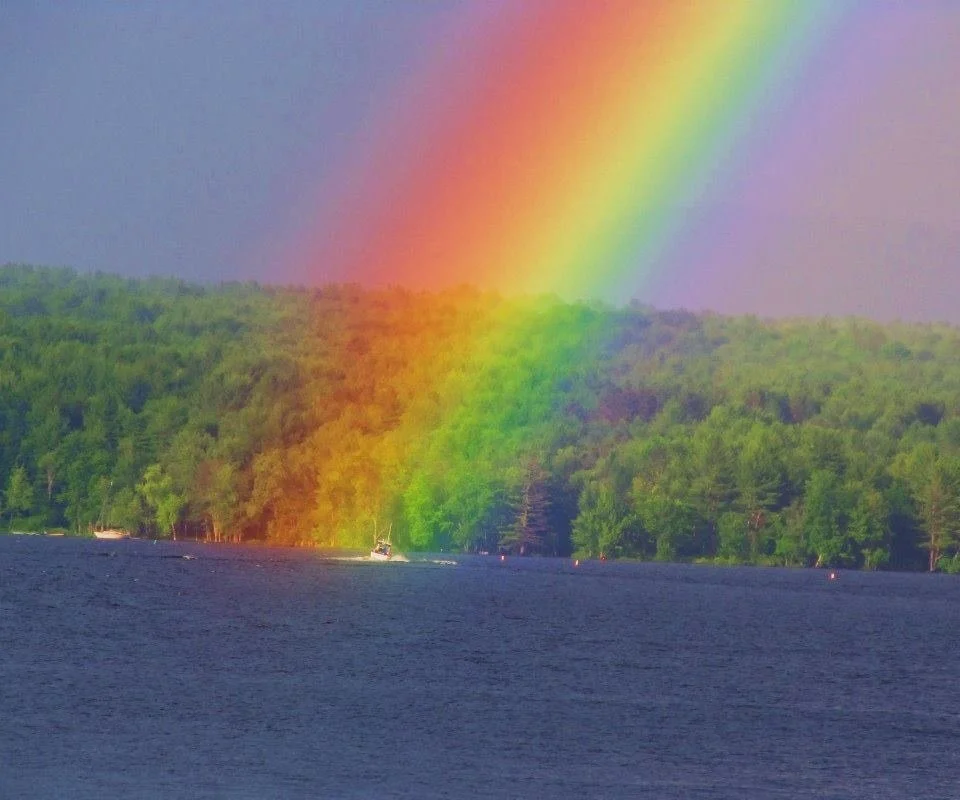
191,139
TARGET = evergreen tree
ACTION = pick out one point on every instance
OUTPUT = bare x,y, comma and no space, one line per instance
529,533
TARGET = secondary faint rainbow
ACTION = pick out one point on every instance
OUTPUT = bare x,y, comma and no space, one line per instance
560,147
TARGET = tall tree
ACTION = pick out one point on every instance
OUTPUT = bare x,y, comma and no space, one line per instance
934,481
939,500
529,532
158,491
823,518
18,498
601,522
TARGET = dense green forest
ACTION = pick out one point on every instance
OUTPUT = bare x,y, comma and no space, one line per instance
464,420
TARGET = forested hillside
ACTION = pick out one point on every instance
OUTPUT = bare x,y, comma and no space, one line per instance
462,420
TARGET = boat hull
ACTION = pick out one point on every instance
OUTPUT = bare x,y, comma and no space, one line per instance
111,534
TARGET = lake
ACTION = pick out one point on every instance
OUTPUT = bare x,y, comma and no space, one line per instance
129,670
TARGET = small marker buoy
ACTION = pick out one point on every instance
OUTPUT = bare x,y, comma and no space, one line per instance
503,558
833,576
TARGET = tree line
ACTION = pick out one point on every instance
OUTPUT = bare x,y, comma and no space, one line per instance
464,420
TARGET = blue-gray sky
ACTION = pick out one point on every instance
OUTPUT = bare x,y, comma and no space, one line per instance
179,138
191,138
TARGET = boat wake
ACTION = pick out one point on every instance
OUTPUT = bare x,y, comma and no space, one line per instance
395,558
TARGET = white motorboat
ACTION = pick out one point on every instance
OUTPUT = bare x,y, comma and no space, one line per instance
382,551
111,533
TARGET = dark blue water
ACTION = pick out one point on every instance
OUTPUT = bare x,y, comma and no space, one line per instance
129,671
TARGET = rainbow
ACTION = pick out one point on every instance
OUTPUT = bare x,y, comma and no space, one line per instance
563,146
555,147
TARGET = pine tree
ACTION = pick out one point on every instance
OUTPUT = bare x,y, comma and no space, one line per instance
530,532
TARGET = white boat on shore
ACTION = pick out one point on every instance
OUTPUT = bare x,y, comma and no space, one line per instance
111,533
